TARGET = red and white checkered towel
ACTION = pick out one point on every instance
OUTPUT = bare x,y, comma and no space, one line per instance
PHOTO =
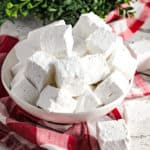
21,131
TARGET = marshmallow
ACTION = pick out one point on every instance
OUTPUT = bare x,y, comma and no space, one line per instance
88,101
17,77
112,87
140,143
24,49
40,69
56,100
95,68
137,117
79,46
58,41
103,41
122,60
70,76
17,67
112,135
87,24
141,49
34,36
23,90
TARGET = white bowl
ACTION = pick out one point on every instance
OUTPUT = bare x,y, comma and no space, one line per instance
6,77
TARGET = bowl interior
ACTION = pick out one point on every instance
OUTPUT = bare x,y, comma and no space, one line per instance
6,77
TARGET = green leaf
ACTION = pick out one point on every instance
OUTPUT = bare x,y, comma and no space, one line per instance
10,5
8,12
29,6
44,5
14,14
50,9
67,2
25,13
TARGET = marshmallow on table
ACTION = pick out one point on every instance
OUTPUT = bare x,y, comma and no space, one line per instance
79,46
70,75
58,41
87,24
137,116
56,100
103,41
24,49
87,101
34,35
112,135
95,68
142,50
24,90
40,69
122,60
112,87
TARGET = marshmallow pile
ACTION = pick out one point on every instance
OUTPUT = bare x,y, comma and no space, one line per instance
69,69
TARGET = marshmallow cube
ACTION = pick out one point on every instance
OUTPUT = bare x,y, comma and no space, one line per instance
24,49
70,76
79,46
137,117
102,41
40,69
87,24
95,68
56,100
88,101
34,35
122,60
24,90
17,77
112,135
58,41
112,87
141,48
17,67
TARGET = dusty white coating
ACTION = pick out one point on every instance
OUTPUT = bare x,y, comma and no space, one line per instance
24,90
112,135
34,35
112,87
24,49
58,41
87,24
95,68
70,75
103,41
18,76
87,101
137,117
40,69
79,46
17,67
122,60
142,50
56,100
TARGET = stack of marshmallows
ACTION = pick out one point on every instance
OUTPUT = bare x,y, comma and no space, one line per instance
69,70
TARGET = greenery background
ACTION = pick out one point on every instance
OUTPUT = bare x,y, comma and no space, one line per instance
51,10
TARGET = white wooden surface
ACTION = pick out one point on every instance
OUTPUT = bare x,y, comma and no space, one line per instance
21,28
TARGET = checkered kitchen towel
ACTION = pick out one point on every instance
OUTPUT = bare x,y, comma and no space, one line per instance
21,131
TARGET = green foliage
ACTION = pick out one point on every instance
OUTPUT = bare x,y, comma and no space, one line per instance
51,10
